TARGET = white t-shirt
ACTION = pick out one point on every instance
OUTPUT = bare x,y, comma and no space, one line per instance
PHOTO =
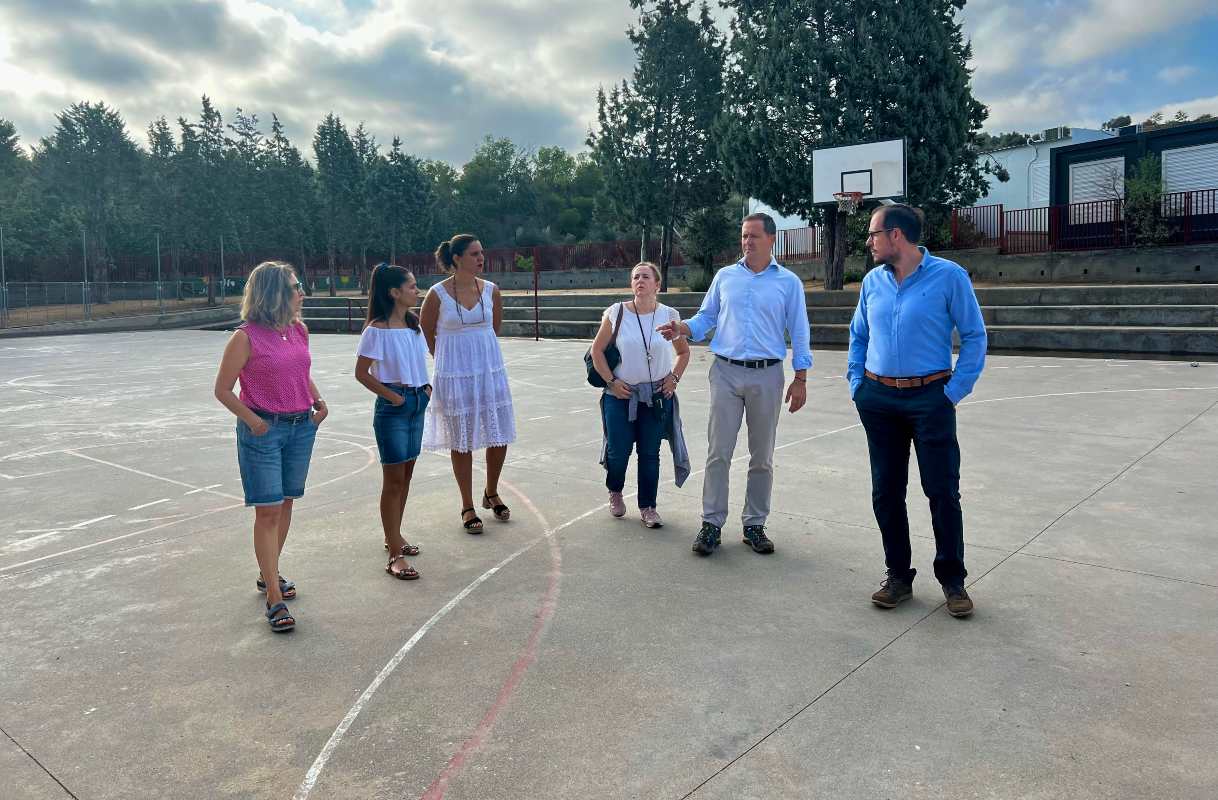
399,355
634,344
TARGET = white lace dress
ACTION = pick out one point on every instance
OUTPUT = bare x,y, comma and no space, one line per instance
471,403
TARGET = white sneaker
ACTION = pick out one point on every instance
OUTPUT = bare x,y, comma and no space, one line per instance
617,506
650,518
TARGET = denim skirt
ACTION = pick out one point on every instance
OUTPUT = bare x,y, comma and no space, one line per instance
399,429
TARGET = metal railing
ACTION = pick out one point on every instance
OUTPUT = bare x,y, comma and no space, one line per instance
1175,218
29,304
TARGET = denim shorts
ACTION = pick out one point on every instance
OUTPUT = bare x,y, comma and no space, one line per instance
274,466
399,429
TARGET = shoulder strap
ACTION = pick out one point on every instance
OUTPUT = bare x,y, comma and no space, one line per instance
617,325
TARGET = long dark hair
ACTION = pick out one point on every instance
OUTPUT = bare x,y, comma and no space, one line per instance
455,246
380,302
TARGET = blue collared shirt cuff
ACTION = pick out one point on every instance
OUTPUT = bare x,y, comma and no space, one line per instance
799,362
697,329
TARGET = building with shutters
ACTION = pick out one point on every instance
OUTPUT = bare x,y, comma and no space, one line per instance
1028,166
1095,171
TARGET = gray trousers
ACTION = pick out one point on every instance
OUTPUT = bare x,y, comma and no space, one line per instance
755,395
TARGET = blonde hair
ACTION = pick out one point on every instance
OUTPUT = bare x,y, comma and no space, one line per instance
654,269
269,292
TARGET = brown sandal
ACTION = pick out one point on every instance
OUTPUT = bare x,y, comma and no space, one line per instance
408,574
408,550
501,512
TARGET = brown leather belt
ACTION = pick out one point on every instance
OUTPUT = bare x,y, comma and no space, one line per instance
909,383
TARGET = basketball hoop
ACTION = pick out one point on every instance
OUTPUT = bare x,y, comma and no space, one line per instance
848,202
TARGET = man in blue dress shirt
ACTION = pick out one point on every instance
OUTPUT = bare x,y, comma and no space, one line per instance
901,378
752,306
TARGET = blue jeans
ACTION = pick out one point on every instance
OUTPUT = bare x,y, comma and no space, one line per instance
399,429
894,418
274,466
644,435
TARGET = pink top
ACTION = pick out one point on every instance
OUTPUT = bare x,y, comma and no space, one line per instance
276,376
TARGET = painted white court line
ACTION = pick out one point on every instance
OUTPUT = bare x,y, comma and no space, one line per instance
146,505
154,477
335,739
539,419
371,451
336,455
208,489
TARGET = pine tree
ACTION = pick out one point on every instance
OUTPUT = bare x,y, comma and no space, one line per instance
338,178
655,140
810,74
91,165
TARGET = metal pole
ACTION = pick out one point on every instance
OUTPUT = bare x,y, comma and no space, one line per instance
3,284
84,287
160,300
222,270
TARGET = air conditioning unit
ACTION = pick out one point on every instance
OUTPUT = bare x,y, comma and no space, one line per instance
1055,134
1129,130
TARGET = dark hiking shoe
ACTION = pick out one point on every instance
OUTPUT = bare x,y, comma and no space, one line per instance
893,591
754,537
707,541
958,602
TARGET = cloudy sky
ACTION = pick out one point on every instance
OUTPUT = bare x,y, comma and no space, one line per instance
444,73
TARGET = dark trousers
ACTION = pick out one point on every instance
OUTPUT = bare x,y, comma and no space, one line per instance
893,418
643,435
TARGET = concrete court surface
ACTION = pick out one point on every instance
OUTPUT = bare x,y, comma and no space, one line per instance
570,655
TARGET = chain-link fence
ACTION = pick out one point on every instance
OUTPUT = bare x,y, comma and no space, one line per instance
26,304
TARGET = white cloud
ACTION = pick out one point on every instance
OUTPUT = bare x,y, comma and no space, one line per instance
1194,108
1176,74
1108,26
442,73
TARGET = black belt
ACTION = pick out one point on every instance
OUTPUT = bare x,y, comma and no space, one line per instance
408,389
270,416
758,364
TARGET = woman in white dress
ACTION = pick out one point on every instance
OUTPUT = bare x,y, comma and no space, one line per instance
471,403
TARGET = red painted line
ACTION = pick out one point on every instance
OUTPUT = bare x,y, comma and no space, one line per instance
549,602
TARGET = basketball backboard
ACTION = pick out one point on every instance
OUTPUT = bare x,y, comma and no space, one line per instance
875,169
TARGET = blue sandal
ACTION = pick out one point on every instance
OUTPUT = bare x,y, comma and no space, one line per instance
286,587
280,619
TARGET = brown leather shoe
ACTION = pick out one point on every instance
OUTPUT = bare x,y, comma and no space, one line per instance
958,602
893,591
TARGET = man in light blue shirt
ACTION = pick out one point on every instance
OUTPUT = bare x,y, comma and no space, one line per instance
900,371
752,305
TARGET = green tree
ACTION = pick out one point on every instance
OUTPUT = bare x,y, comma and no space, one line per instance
1144,202
1117,122
399,195
706,235
17,215
92,167
495,191
655,140
203,175
441,220
162,192
339,174
291,199
245,157
809,74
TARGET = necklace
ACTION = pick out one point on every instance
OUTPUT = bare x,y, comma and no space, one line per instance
460,308
647,339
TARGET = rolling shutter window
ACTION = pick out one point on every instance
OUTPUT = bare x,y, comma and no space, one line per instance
1188,169
1039,194
1096,181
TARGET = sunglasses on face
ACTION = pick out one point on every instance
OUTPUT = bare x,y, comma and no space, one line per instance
298,286
872,234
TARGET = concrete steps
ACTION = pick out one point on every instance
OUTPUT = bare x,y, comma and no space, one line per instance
1178,319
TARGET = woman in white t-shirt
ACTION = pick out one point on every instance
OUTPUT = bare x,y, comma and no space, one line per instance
633,406
392,364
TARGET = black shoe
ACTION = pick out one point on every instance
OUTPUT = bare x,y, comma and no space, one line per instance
708,539
754,537
959,604
892,591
